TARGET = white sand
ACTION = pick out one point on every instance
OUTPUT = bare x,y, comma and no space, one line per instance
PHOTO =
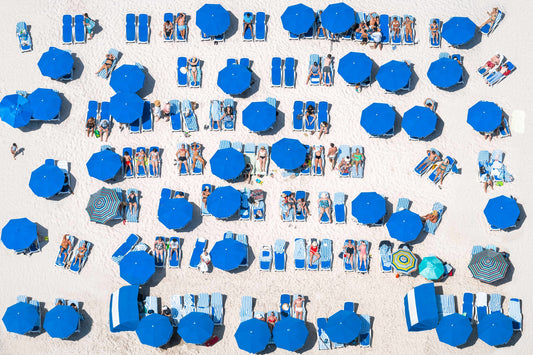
388,171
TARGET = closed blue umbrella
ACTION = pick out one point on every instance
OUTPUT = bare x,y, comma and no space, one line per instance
61,321
484,116
454,329
259,116
223,202
343,326
47,180
227,163
419,122
394,75
495,329
368,207
19,234
56,63
502,212
196,328
45,104
154,330
15,110
253,335
355,67
338,18
234,79
228,254
103,205
458,30
445,72
404,225
127,78
288,153
378,119
104,165
174,213
290,333
126,107
212,19
298,18
20,318
137,267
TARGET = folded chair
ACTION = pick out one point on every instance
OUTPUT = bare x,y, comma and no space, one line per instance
339,207
279,255
299,254
326,254
482,308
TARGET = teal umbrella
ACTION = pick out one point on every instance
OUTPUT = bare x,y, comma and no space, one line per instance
431,268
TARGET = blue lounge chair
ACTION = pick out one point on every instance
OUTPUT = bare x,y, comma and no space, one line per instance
299,254
384,27
318,170
445,305
495,303
468,305
141,172
131,28
229,124
322,338
487,29
365,334
146,118
323,114
135,126
396,40
198,82
425,165
203,208
132,216
92,110
151,167
63,257
297,115
79,29
408,39
504,129
349,266
260,26
289,77
189,304
360,170
312,266
217,308
285,305
286,214
67,29
483,160
199,248
515,313
435,43
231,61
128,172
360,17
24,37
385,253
77,265
306,170
143,29
315,78
179,37
343,152
175,116
265,258
348,35
168,17
245,62
339,207
182,72
279,255
125,247
243,238
403,204
511,68
362,265
247,35
219,38
246,311
105,73
294,36
176,309
203,305
104,111
300,215
189,116
37,327
450,168
275,72
173,257
431,227
326,254
294,309
310,34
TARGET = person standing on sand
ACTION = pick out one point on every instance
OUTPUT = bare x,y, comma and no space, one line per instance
332,154
14,150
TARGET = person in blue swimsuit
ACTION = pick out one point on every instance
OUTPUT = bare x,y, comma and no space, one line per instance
89,24
247,23
182,27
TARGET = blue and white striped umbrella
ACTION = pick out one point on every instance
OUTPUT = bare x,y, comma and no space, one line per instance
103,205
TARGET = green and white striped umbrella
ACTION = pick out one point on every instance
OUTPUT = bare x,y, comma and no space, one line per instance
404,261
488,266
103,205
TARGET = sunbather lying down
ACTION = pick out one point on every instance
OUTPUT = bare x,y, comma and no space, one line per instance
493,15
497,75
431,158
433,217
109,59
493,62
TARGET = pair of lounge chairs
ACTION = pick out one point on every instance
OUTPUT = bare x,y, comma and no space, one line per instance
259,28
402,37
145,122
288,309
185,75
146,167
290,213
283,72
176,34
426,166
302,254
492,164
137,30
24,37
212,305
67,258
73,31
218,121
182,112
358,262
99,112
185,167
37,327
160,260
351,170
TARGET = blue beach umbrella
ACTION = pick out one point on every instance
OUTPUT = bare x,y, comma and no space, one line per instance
19,234
355,67
103,205
290,333
154,330
288,153
137,267
378,119
45,104
123,309
126,107
223,202
298,19
227,163
174,213
234,79
253,335
20,318
61,321
227,254
338,18
343,326
15,110
458,30
212,19
259,116
495,329
394,75
196,328
104,165
47,180
56,63
484,116
454,329
431,268
445,72
502,212
127,78
368,207
419,122
404,225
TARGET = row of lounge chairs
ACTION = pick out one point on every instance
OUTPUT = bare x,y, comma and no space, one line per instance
363,339
73,30
137,30
176,34
67,258
210,304
300,122
145,168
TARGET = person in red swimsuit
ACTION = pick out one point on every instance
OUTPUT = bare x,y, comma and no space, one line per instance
313,250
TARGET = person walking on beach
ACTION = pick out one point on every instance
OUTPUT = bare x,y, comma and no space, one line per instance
89,24
14,150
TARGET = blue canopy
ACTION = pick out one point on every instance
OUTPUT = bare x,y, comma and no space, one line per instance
123,309
45,104
495,329
228,254
234,79
196,328
484,116
137,267
343,326
378,119
20,318
19,234
368,207
290,333
47,180
253,335
298,18
103,205
445,72
127,78
227,163
338,18
458,30
15,110
421,308
288,153
502,212
404,225
212,19
126,107
454,329
223,202
61,321
104,165
56,63
174,213
419,122
154,330
394,75
259,116
355,67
